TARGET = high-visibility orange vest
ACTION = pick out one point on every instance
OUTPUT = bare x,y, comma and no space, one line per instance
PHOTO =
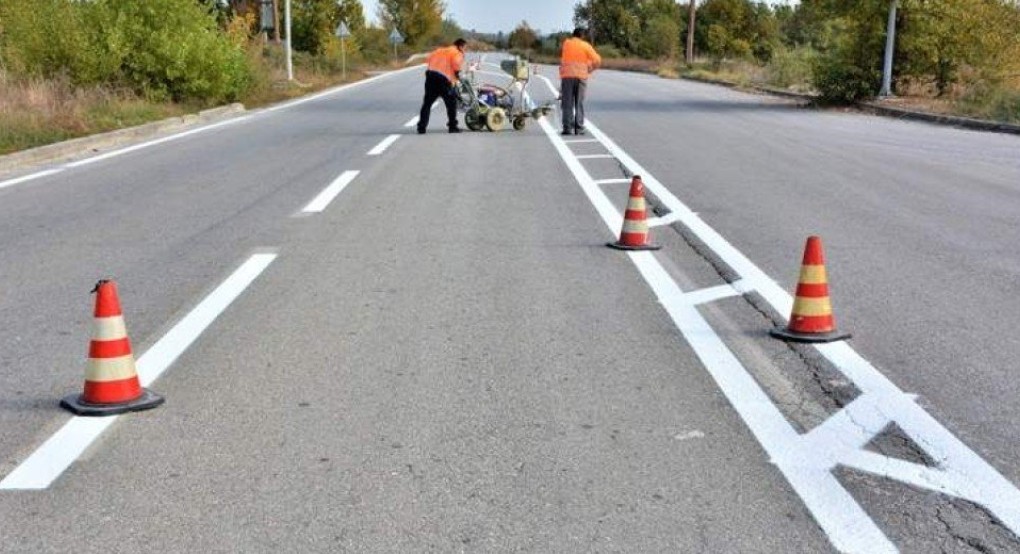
446,60
578,59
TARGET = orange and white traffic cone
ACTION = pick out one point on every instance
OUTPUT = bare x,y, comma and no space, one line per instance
111,382
634,235
812,319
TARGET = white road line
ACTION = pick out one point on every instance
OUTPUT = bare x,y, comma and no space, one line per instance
612,181
808,461
704,296
29,177
668,219
382,146
414,121
579,141
191,132
595,157
55,455
322,201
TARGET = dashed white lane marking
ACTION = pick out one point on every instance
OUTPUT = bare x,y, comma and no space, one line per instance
808,460
595,157
55,455
322,201
197,130
382,146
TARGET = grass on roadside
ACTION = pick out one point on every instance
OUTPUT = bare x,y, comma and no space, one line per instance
36,112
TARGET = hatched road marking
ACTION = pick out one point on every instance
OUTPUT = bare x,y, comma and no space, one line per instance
55,455
808,460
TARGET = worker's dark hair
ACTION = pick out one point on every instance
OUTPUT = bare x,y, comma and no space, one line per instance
459,42
580,32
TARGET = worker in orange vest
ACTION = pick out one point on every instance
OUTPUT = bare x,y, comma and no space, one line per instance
440,79
577,60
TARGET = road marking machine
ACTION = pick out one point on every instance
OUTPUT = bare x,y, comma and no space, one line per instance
488,106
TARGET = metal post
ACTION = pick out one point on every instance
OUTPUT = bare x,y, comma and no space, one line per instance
290,62
890,46
343,56
691,15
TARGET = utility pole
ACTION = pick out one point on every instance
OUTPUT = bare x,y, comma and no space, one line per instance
890,47
691,14
290,61
276,21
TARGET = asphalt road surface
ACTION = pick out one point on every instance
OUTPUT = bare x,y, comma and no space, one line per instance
375,341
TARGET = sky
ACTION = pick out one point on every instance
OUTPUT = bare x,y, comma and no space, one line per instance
503,15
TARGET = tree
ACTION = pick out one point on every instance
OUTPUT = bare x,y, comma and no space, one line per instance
419,21
523,37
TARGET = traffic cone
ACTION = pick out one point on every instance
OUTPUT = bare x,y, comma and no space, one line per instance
634,235
111,382
811,320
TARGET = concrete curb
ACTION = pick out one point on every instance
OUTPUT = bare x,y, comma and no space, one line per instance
85,145
885,111
941,119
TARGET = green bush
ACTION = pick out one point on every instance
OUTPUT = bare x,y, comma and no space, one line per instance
164,49
840,81
171,49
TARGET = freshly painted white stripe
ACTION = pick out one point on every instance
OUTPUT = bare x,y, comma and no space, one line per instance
55,455
595,157
322,201
382,146
613,181
843,520
413,121
704,296
668,219
29,177
808,461
580,141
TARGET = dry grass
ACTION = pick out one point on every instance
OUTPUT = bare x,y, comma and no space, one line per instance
34,112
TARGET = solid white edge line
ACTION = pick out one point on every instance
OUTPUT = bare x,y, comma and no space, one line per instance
247,117
29,177
382,146
61,450
324,198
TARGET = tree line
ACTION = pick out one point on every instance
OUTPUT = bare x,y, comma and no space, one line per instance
200,51
943,44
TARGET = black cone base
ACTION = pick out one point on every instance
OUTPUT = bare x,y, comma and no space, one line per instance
619,246
146,401
793,336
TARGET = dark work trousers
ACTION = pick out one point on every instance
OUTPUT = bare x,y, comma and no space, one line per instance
437,86
572,92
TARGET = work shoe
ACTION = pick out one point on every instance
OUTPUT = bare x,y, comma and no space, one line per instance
421,131
566,133
455,130
581,131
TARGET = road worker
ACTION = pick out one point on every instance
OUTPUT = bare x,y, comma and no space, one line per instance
577,60
440,82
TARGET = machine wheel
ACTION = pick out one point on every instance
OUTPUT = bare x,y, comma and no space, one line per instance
519,123
473,120
495,120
